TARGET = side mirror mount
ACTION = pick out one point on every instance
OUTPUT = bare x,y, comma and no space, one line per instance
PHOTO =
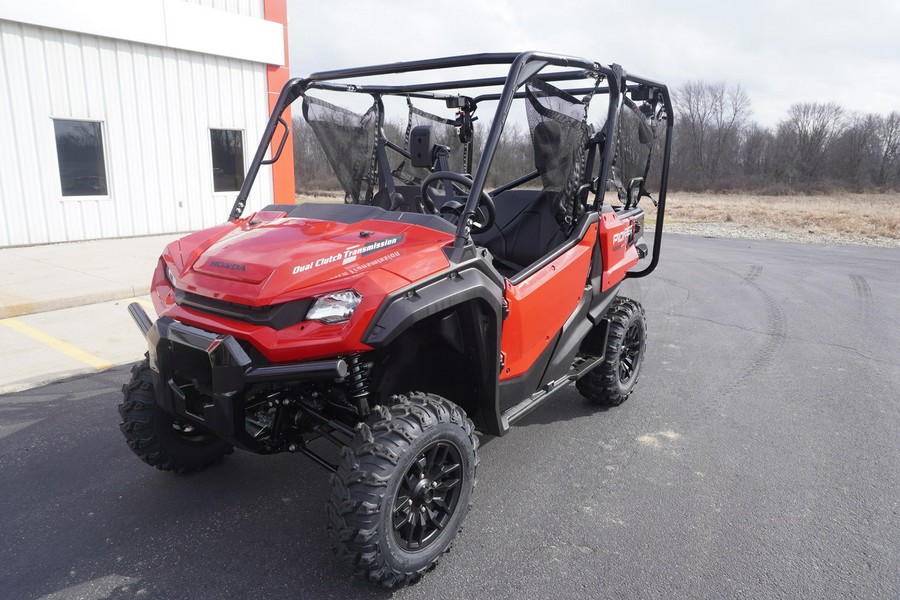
635,191
420,147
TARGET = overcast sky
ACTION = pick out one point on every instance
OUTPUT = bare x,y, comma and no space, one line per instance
780,51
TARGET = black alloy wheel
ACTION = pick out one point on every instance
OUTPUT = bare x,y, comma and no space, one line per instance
427,496
622,344
630,355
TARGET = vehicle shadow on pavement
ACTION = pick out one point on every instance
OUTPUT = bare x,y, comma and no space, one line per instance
567,405
84,517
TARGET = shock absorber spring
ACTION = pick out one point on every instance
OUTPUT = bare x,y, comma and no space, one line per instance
358,383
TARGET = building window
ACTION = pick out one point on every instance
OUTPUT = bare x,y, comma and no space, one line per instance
79,149
227,159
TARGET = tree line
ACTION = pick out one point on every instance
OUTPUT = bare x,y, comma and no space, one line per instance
816,146
716,146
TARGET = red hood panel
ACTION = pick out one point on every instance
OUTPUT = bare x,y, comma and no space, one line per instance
258,264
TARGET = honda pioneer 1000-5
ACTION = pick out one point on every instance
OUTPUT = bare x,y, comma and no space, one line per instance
472,272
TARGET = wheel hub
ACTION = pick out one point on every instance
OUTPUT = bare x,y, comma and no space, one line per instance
189,434
423,493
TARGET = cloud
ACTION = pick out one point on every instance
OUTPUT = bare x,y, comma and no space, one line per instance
780,52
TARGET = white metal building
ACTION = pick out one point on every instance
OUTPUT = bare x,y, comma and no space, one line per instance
132,117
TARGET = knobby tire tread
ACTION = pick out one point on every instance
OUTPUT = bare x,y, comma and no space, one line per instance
140,415
360,483
601,384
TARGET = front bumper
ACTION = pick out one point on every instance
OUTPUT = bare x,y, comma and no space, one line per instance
202,377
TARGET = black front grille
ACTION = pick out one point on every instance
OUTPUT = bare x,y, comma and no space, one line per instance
276,316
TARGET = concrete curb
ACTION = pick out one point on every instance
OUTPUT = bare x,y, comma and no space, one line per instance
45,379
39,306
39,279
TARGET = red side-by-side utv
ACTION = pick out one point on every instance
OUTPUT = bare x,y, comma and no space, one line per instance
449,294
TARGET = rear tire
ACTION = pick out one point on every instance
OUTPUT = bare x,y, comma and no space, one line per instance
403,488
159,439
612,381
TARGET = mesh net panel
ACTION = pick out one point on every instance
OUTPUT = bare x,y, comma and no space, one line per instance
630,160
659,130
348,140
559,134
443,133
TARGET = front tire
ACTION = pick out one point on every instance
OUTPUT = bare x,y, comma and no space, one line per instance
612,381
403,489
156,437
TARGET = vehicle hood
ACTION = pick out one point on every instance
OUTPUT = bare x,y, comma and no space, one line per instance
258,262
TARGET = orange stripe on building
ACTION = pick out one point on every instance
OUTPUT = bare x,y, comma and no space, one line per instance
276,77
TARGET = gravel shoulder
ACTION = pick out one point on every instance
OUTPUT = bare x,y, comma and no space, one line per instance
737,230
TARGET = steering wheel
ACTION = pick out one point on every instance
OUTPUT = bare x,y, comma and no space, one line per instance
485,211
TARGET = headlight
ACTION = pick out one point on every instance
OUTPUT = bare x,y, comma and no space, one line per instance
170,277
335,307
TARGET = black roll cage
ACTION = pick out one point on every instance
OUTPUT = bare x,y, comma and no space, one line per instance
523,66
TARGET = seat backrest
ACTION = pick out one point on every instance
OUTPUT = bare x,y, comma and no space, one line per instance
406,204
559,134
526,222
525,229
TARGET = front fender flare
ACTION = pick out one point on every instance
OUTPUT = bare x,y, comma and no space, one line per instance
409,305
459,287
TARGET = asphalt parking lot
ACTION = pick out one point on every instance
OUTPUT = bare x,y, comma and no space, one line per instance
757,458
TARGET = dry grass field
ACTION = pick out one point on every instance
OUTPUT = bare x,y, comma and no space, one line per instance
835,218
862,215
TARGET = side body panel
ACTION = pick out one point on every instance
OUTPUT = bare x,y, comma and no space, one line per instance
541,304
617,245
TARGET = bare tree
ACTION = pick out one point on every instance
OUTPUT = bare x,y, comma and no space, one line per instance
711,117
755,152
312,171
887,145
806,134
513,157
852,151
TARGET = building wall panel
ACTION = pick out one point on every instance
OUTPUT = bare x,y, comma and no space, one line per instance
156,106
246,8
19,142
235,29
